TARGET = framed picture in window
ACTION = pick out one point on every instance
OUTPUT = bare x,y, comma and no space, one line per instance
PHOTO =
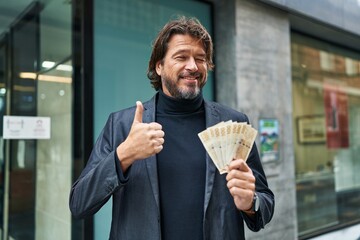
311,129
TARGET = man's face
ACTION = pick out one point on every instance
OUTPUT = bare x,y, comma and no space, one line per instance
183,70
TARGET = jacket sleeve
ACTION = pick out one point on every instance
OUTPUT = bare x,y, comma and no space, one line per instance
265,195
100,178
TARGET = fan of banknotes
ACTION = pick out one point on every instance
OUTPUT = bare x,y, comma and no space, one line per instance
226,141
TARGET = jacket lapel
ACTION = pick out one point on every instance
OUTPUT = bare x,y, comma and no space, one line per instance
212,117
151,163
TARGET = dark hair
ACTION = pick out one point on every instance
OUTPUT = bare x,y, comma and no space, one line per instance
182,25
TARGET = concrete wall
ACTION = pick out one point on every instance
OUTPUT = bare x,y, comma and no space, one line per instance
253,72
340,14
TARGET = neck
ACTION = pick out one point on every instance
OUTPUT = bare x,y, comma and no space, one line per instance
172,105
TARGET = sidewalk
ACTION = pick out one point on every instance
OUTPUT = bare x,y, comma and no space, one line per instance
351,233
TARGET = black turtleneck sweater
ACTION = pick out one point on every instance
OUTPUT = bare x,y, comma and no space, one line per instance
181,167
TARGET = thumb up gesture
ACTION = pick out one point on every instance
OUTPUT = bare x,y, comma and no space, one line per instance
138,113
144,140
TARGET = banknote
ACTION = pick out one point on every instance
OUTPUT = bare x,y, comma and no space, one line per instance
247,139
226,141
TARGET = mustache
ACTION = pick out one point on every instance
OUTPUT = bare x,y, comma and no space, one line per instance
190,74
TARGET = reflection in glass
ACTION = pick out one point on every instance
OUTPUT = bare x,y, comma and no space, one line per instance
3,72
24,39
40,85
326,96
54,100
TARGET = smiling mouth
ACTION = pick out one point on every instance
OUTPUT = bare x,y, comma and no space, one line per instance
189,78
192,77
189,81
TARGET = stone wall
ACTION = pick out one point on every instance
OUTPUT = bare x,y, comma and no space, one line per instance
253,75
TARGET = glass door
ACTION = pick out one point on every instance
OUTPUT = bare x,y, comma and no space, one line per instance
24,37
37,83
3,73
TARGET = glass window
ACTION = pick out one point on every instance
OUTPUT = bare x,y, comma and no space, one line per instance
36,80
54,100
326,113
3,73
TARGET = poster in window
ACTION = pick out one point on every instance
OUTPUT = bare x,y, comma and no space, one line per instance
269,139
337,117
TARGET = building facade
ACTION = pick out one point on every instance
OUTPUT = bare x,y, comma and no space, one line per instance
292,66
298,62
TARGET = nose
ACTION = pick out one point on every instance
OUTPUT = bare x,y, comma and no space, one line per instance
191,64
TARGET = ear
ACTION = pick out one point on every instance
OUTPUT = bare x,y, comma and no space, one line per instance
158,68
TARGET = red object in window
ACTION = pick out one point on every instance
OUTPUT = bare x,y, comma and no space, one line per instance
337,117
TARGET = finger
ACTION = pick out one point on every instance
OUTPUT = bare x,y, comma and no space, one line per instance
138,112
237,173
240,183
158,148
236,191
155,126
159,134
239,164
160,141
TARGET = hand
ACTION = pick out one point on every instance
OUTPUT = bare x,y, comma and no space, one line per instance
144,140
241,184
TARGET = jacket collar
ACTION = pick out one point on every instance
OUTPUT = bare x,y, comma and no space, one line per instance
212,117
151,164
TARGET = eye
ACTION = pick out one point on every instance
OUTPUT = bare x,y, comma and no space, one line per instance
180,58
200,59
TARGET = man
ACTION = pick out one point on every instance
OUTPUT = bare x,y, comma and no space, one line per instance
150,159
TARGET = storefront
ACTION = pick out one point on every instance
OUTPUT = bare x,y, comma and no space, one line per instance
75,62
326,113
36,81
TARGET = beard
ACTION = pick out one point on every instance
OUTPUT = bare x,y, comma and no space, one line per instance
189,91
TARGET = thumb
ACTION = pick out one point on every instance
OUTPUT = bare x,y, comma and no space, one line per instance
239,164
138,112
243,166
